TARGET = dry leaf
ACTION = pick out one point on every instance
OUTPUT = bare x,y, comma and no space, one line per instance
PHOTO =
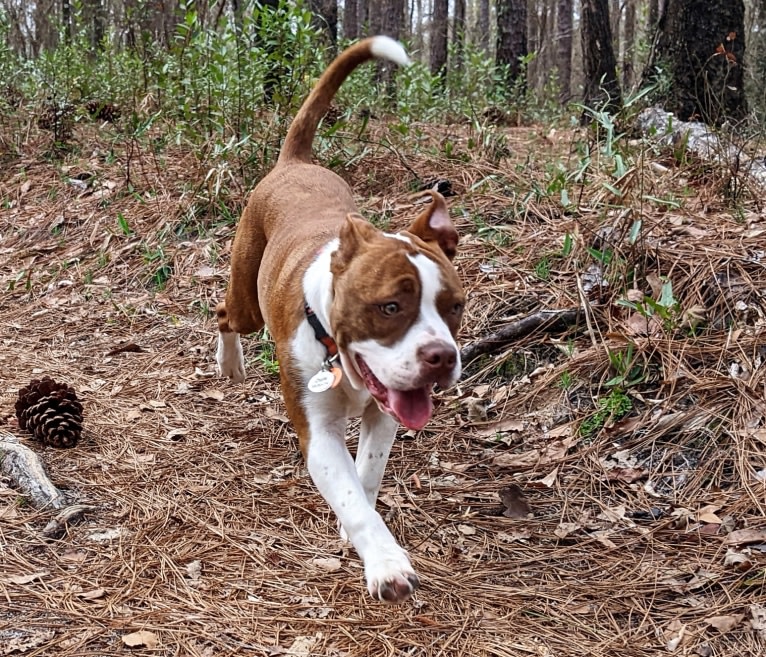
95,594
550,479
501,426
516,505
561,431
303,646
741,536
709,518
614,514
106,535
740,561
627,475
758,619
141,638
329,565
132,415
724,623
26,579
535,457
215,394
602,536
194,570
566,528
467,530
156,403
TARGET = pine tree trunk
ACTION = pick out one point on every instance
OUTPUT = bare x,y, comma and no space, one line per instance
439,26
350,20
458,34
564,48
629,44
511,38
325,18
392,17
615,14
602,89
701,47
483,25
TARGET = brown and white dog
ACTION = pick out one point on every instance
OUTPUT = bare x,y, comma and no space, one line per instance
364,321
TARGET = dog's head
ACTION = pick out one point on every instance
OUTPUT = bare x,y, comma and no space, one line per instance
396,310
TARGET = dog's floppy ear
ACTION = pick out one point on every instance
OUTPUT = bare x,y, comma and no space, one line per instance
434,225
355,231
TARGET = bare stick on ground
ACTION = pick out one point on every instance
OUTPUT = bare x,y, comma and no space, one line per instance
27,473
546,320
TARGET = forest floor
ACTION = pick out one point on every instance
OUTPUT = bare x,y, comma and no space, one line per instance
593,489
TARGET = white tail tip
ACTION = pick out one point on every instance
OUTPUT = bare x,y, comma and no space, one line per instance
384,47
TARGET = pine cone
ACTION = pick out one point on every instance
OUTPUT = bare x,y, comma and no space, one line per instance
58,117
51,412
101,111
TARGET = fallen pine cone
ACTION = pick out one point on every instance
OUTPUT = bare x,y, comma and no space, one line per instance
51,412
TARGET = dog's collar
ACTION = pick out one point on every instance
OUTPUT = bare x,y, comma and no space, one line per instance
321,334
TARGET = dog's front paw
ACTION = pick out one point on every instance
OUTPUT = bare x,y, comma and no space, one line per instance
230,358
391,578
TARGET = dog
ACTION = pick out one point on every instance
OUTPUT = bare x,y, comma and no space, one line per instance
364,321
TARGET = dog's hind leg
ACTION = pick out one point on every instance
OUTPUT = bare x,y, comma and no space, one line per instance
241,312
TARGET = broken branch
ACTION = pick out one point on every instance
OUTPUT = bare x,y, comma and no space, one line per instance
545,320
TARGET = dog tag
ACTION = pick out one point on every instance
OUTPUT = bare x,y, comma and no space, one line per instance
325,379
321,381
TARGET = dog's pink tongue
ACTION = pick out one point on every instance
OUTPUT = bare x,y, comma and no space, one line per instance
412,407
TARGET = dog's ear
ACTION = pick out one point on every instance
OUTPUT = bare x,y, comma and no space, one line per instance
434,225
355,231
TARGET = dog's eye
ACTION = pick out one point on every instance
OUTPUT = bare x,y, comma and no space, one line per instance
389,309
457,308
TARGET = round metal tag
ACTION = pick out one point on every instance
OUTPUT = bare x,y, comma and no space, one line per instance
321,381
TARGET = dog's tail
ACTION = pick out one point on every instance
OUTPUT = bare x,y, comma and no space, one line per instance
297,146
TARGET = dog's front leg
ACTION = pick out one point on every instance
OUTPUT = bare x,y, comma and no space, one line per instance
376,437
387,567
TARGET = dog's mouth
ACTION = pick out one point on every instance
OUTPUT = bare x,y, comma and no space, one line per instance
412,408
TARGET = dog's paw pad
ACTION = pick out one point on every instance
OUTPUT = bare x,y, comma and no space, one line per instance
398,589
392,581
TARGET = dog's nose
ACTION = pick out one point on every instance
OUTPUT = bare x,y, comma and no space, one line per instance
438,357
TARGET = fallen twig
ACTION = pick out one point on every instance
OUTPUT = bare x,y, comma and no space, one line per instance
27,472
57,527
547,320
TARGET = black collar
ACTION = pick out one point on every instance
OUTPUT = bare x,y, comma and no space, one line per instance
320,333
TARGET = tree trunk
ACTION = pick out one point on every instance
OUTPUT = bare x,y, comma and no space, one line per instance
564,48
483,25
350,20
511,38
654,16
392,17
615,14
701,47
325,18
94,15
602,89
629,44
66,19
458,34
439,26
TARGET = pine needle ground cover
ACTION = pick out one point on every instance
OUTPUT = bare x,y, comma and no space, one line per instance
595,488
